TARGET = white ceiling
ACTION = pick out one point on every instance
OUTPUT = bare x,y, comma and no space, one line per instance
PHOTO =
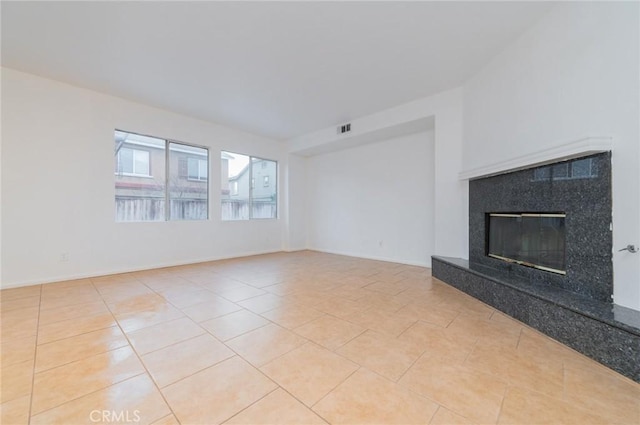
279,69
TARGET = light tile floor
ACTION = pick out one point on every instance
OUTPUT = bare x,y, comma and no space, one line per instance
300,338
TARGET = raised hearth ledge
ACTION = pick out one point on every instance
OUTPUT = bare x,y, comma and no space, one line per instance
575,149
607,333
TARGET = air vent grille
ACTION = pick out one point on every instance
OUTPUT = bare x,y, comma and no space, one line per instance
345,128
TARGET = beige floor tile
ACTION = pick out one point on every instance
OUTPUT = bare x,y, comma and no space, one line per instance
602,392
210,309
72,327
20,323
138,303
468,306
276,408
116,293
185,358
474,395
473,354
112,279
521,406
386,322
167,420
241,293
506,363
330,332
222,284
16,380
445,416
367,398
539,346
262,303
66,284
23,292
388,288
59,314
78,347
437,343
15,412
350,292
160,282
234,324
217,393
389,357
17,350
281,289
292,317
381,302
59,385
186,299
261,280
309,372
135,400
18,303
307,297
69,297
134,321
430,313
264,344
341,307
159,336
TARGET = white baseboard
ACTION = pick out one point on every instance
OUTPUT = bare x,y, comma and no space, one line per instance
376,258
100,273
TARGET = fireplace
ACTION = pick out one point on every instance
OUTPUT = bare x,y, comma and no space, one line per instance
549,225
530,239
540,250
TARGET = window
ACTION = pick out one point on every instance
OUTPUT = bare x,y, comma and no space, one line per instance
133,162
583,168
197,169
178,188
241,199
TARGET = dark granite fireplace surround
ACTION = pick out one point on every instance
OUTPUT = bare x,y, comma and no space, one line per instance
575,308
586,201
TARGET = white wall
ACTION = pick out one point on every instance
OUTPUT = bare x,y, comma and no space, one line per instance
58,187
444,111
295,237
375,200
574,74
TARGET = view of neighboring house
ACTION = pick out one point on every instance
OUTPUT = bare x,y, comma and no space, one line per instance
250,192
141,180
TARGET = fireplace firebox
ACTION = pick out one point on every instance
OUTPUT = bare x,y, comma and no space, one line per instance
530,239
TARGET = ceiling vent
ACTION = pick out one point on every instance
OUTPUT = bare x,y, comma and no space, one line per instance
345,128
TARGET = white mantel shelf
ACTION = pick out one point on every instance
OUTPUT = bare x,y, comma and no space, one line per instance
575,149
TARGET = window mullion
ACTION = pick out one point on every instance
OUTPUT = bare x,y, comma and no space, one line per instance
167,200
250,188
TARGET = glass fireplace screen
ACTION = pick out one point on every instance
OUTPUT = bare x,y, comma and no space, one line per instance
530,239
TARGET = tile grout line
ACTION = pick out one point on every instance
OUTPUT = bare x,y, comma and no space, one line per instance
35,356
146,371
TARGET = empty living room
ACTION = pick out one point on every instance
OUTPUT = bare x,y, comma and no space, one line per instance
312,212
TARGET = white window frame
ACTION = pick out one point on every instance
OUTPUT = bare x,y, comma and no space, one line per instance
134,153
203,165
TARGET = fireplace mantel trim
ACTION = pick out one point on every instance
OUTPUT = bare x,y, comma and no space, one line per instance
575,149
